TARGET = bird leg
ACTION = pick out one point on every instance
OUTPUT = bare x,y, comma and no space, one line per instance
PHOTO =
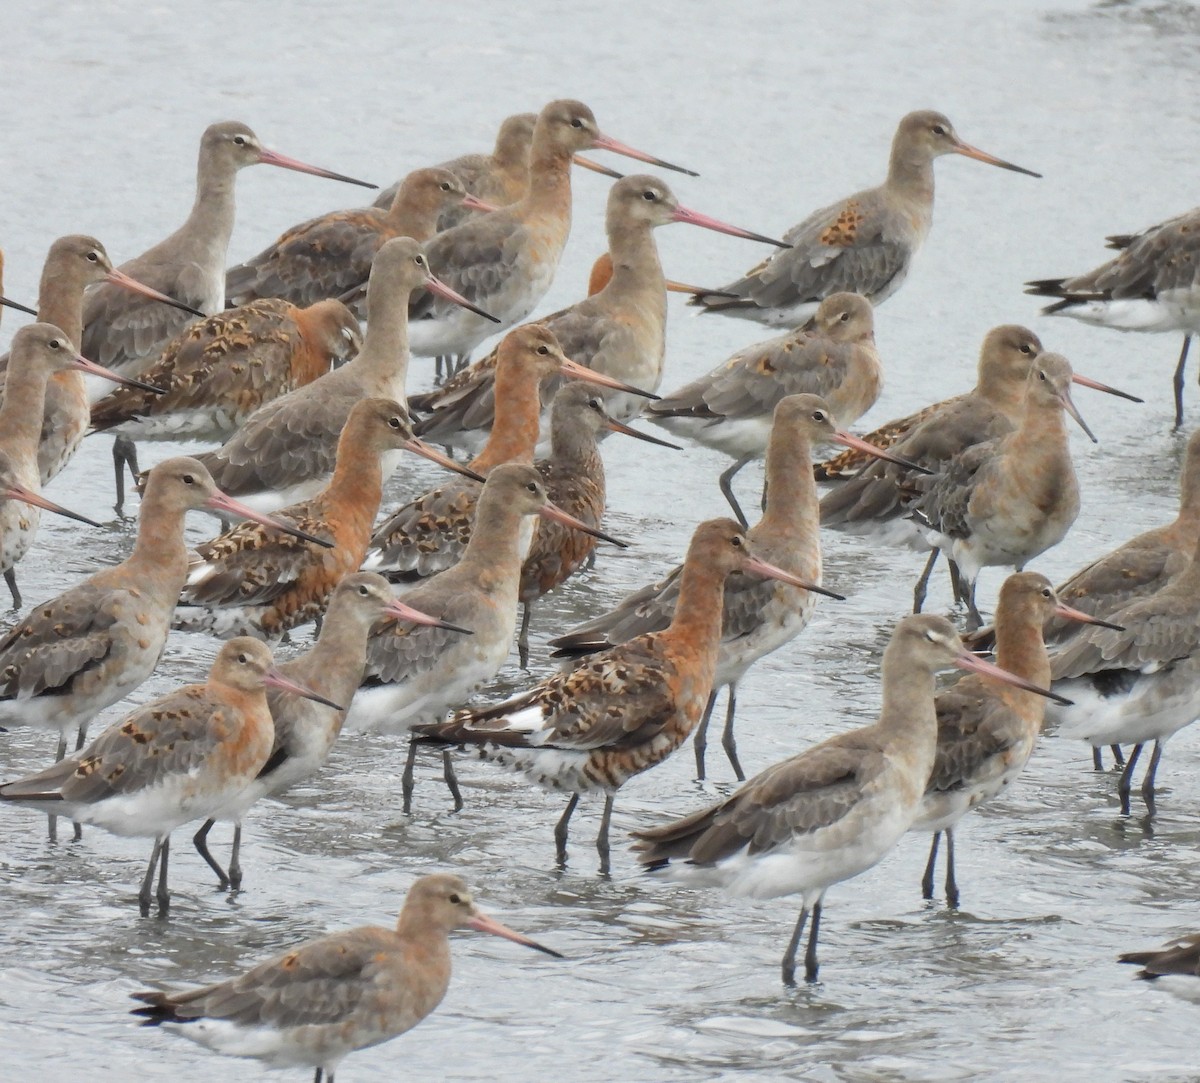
727,488
235,858
560,831
148,879
1126,777
10,577
406,780
163,895
1178,381
602,836
200,841
451,779
1097,759
930,867
52,827
124,454
810,954
922,586
701,738
80,738
951,882
1151,771
727,741
974,620
789,956
523,637
1118,755
317,1077
441,365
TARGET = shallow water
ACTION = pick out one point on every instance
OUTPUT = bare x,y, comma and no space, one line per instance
781,111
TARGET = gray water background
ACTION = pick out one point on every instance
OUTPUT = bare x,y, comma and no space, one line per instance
782,107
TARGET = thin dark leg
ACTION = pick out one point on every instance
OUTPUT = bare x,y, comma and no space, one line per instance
602,835
52,827
560,830
1151,771
451,779
124,454
700,741
523,636
810,956
317,1077
727,487
461,361
10,577
930,867
922,587
1118,755
1097,759
80,738
1178,381
727,741
1126,777
200,841
789,956
406,780
438,377
148,879
951,882
163,895
957,584
235,858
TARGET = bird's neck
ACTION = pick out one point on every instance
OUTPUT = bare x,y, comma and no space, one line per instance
699,611
636,266
514,434
21,416
549,180
159,554
793,507
1021,650
412,218
356,487
496,547
210,222
60,302
907,708
333,666
385,344
911,177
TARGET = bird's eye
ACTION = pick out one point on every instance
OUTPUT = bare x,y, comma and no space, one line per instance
363,591
576,122
1042,376
818,415
243,659
456,898
649,195
394,422
532,487
596,405
938,129
188,479
1046,593
543,350
419,261
93,257
55,344
239,140
844,317
1027,348
445,187
736,541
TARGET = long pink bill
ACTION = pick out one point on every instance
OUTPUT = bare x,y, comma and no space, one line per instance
847,439
556,515
484,924
581,372
7,302
275,679
120,278
1069,613
14,491
439,289
968,151
755,566
474,203
419,447
1096,385
972,663
695,218
606,142
683,287
1069,405
226,504
619,426
273,157
596,167
397,610
91,367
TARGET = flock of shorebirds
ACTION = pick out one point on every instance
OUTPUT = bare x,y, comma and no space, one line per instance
268,360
